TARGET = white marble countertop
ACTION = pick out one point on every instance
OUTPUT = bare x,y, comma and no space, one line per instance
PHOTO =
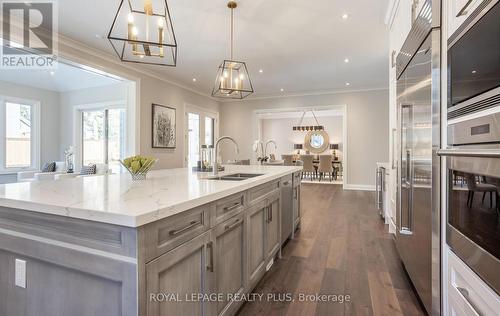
116,199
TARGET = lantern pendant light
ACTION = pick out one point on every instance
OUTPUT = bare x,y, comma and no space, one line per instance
142,32
232,80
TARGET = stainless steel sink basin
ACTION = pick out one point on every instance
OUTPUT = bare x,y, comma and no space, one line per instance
237,176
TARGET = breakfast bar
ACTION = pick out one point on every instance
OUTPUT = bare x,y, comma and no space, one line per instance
177,243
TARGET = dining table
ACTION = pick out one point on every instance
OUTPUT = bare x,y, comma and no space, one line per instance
336,165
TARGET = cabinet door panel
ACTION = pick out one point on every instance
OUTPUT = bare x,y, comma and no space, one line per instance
230,262
182,271
256,219
296,207
273,230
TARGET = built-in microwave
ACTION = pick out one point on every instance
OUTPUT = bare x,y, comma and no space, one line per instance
474,62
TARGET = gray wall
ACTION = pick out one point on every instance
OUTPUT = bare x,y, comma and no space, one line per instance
367,128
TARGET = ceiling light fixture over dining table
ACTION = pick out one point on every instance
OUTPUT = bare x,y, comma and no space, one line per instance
307,128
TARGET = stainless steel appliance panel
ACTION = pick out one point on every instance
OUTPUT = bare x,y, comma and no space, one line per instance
415,226
474,59
473,215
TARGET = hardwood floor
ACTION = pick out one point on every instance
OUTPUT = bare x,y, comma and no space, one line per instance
342,248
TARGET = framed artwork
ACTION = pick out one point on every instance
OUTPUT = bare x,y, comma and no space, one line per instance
164,124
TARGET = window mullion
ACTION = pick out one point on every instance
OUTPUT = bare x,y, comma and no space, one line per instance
106,136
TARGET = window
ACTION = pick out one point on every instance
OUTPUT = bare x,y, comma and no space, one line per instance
103,137
19,137
201,129
209,131
193,139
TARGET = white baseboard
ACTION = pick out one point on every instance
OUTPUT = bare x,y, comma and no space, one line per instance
359,187
392,227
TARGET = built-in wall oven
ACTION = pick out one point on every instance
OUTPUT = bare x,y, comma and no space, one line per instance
473,184
473,154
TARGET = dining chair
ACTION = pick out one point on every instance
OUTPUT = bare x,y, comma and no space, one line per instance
325,166
473,186
288,159
308,167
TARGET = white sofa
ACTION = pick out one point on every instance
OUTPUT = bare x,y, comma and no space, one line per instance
101,169
29,176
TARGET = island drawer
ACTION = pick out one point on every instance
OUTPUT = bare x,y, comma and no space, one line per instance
162,236
259,192
229,206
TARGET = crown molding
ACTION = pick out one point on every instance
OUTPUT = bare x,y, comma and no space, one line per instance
306,94
105,56
390,13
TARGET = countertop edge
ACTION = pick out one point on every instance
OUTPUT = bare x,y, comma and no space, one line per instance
136,221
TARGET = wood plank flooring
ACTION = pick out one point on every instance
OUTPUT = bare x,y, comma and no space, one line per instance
342,248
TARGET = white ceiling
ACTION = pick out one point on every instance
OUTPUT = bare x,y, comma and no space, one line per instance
300,45
64,78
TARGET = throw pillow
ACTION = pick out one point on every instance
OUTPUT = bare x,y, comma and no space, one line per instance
87,170
49,167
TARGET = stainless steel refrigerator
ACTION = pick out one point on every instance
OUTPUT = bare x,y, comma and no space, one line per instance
418,101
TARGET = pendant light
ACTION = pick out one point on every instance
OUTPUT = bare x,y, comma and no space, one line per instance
308,128
142,32
232,80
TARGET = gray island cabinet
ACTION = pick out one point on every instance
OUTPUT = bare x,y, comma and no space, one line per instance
197,262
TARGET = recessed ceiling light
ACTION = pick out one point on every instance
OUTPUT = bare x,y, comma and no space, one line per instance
261,71
282,89
52,73
474,71
347,83
346,60
194,79
99,36
345,16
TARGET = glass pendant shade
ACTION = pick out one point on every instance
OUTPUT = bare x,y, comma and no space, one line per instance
232,81
142,32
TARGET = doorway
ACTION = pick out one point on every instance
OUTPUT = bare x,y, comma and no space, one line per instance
201,129
278,124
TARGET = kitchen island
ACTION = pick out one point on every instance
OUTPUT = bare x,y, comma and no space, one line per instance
177,243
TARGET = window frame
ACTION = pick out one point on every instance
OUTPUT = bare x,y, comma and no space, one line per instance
203,113
35,134
78,125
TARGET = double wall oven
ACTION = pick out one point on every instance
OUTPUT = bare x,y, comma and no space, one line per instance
473,154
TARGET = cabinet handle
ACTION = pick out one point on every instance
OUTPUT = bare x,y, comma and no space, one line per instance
269,211
234,206
233,225
465,294
463,11
182,230
210,247
286,183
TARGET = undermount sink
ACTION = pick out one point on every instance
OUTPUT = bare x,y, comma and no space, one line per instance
237,176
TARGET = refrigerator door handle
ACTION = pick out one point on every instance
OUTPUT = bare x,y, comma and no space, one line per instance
407,229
